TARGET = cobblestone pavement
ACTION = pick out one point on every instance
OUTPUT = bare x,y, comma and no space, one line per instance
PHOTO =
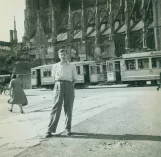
100,115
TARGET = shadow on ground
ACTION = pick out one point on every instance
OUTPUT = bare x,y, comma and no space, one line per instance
39,111
111,137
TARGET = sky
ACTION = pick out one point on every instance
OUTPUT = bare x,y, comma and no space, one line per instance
9,9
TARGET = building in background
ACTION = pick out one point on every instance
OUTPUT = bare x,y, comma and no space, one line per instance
91,29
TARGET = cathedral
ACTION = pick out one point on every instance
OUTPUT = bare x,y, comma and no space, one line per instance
91,29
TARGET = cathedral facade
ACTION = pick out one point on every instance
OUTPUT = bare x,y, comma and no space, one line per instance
92,29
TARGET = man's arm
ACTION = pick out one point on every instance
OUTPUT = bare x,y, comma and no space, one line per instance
74,75
53,73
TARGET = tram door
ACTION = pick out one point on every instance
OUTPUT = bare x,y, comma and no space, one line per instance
38,77
117,72
86,73
111,76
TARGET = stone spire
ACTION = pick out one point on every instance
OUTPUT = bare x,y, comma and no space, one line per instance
121,2
144,30
69,32
84,30
40,39
27,4
157,23
69,18
15,31
54,33
41,3
97,49
97,24
107,4
111,20
83,24
127,24
50,14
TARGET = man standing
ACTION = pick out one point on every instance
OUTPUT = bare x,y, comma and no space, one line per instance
64,74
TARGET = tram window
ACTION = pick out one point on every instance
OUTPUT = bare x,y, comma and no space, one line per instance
130,64
33,74
93,70
78,69
110,66
47,73
156,62
143,63
98,70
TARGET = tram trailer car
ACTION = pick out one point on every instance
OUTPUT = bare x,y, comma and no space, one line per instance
88,72
41,76
135,68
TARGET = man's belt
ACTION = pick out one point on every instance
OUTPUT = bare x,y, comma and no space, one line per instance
63,81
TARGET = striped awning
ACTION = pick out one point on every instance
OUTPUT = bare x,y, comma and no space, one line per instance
151,25
138,26
103,26
62,36
93,34
50,40
78,34
122,29
89,30
108,31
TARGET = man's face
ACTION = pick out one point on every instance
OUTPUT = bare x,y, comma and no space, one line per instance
63,56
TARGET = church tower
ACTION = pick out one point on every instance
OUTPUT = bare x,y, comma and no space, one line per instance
15,32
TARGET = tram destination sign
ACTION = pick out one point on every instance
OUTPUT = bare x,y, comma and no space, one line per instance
142,54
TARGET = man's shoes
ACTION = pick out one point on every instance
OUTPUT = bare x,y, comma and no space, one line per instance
68,133
10,110
48,135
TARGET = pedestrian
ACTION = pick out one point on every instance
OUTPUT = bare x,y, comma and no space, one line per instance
17,94
64,75
159,83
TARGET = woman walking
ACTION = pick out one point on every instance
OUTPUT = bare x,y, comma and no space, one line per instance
17,94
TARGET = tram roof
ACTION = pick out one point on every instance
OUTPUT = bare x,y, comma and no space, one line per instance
79,62
38,67
142,54
83,62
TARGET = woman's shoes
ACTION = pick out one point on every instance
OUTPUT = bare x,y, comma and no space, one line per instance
10,110
48,135
22,112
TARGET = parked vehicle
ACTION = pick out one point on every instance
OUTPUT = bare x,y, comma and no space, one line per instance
135,68
88,72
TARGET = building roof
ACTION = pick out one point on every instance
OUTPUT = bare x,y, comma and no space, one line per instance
4,43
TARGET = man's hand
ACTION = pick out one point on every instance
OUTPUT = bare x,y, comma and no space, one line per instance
74,82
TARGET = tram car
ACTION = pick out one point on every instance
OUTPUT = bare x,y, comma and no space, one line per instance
135,68
88,72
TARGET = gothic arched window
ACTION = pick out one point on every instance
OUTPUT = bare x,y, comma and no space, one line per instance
76,19
90,16
102,13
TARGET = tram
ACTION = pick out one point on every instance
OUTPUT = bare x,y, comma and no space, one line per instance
135,68
88,72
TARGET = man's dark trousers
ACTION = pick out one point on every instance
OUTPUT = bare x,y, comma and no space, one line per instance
63,92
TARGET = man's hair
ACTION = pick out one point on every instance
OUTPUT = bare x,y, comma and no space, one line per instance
62,50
